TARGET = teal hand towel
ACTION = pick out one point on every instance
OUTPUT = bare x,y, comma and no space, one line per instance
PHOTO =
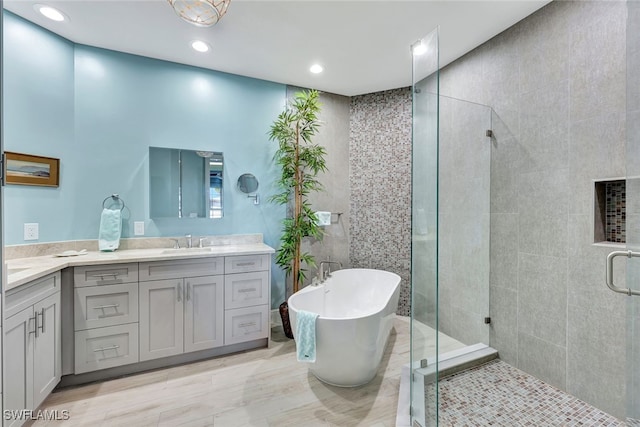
306,336
110,229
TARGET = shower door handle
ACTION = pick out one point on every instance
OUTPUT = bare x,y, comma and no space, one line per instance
614,288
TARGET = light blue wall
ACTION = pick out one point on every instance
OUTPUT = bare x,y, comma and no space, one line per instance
38,119
99,111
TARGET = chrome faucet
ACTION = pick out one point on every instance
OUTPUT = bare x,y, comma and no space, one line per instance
189,241
323,274
200,240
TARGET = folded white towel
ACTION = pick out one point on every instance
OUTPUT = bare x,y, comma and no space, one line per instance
324,218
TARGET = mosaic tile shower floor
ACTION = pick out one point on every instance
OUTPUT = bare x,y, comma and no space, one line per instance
497,394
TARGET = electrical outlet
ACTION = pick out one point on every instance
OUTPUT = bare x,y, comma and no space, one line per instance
138,228
31,231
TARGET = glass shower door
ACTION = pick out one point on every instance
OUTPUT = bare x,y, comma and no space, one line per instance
424,233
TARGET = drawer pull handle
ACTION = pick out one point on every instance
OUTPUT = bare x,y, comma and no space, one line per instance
244,264
246,290
108,358
113,276
102,307
104,316
247,324
113,347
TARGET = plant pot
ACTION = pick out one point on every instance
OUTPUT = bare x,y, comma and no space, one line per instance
284,315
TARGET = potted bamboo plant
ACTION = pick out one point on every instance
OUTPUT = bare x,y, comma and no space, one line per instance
300,161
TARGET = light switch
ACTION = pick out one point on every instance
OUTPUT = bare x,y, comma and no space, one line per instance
138,228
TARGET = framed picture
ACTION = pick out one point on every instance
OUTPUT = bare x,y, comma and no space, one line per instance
26,169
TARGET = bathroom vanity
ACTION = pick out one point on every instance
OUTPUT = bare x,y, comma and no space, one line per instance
71,320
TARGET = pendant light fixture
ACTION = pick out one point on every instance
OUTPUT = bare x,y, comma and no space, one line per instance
202,13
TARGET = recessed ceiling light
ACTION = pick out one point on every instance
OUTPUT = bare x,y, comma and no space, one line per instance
199,46
316,68
419,48
50,12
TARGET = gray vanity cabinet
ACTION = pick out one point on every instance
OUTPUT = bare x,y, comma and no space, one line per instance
184,310
246,298
18,379
105,316
204,313
32,331
161,319
47,355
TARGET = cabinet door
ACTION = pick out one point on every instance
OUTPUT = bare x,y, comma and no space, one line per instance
47,355
161,318
204,313
18,363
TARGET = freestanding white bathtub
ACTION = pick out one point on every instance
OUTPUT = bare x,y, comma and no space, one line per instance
356,309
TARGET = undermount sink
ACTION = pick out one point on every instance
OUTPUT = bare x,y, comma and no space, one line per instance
186,250
16,270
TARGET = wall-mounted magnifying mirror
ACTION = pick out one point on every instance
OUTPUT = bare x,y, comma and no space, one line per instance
247,183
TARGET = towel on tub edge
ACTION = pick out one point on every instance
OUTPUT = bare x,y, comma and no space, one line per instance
306,336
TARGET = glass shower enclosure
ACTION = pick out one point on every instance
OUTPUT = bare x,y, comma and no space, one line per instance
450,241
424,232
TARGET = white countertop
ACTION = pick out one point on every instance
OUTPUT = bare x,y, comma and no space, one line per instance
35,267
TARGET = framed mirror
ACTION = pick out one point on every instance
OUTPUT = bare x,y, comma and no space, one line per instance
185,183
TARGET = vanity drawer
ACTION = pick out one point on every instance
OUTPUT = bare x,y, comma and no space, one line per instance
246,289
246,263
106,347
159,270
246,324
96,275
30,293
108,305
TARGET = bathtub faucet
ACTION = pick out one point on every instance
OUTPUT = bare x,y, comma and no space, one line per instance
324,273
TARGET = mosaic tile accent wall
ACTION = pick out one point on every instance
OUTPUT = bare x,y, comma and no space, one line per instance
615,229
380,181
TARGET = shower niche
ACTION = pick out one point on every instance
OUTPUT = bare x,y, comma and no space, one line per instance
610,211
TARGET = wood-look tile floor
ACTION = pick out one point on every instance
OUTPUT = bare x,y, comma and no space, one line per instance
265,387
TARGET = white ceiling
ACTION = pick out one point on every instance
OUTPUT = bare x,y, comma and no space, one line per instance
363,45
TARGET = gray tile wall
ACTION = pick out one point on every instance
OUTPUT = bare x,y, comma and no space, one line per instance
556,81
464,218
333,135
632,204
380,182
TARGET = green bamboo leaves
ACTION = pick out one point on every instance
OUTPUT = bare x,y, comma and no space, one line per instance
300,161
